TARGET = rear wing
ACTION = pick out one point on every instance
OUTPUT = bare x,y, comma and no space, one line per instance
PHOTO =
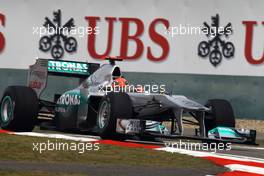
71,68
38,72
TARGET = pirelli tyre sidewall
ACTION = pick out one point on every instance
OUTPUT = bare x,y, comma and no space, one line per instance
221,114
18,109
111,107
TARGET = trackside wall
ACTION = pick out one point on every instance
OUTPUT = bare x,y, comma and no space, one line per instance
244,92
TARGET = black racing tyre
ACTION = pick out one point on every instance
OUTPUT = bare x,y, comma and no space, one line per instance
19,109
111,107
221,114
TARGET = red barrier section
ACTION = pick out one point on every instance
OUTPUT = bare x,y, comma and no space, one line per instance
4,131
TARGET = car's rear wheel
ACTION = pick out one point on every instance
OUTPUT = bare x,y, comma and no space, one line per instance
111,107
19,109
221,114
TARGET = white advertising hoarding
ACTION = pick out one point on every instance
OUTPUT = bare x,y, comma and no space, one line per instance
159,35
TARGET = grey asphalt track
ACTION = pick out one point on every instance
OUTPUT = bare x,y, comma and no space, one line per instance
103,170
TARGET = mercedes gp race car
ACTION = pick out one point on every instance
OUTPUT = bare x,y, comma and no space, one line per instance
94,107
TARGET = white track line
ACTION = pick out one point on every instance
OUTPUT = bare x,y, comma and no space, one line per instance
239,157
244,168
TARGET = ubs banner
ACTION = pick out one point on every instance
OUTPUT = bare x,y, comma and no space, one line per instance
167,36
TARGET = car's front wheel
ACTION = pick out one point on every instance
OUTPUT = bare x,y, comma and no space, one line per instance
221,114
111,107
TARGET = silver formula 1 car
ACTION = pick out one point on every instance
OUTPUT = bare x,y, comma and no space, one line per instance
93,106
